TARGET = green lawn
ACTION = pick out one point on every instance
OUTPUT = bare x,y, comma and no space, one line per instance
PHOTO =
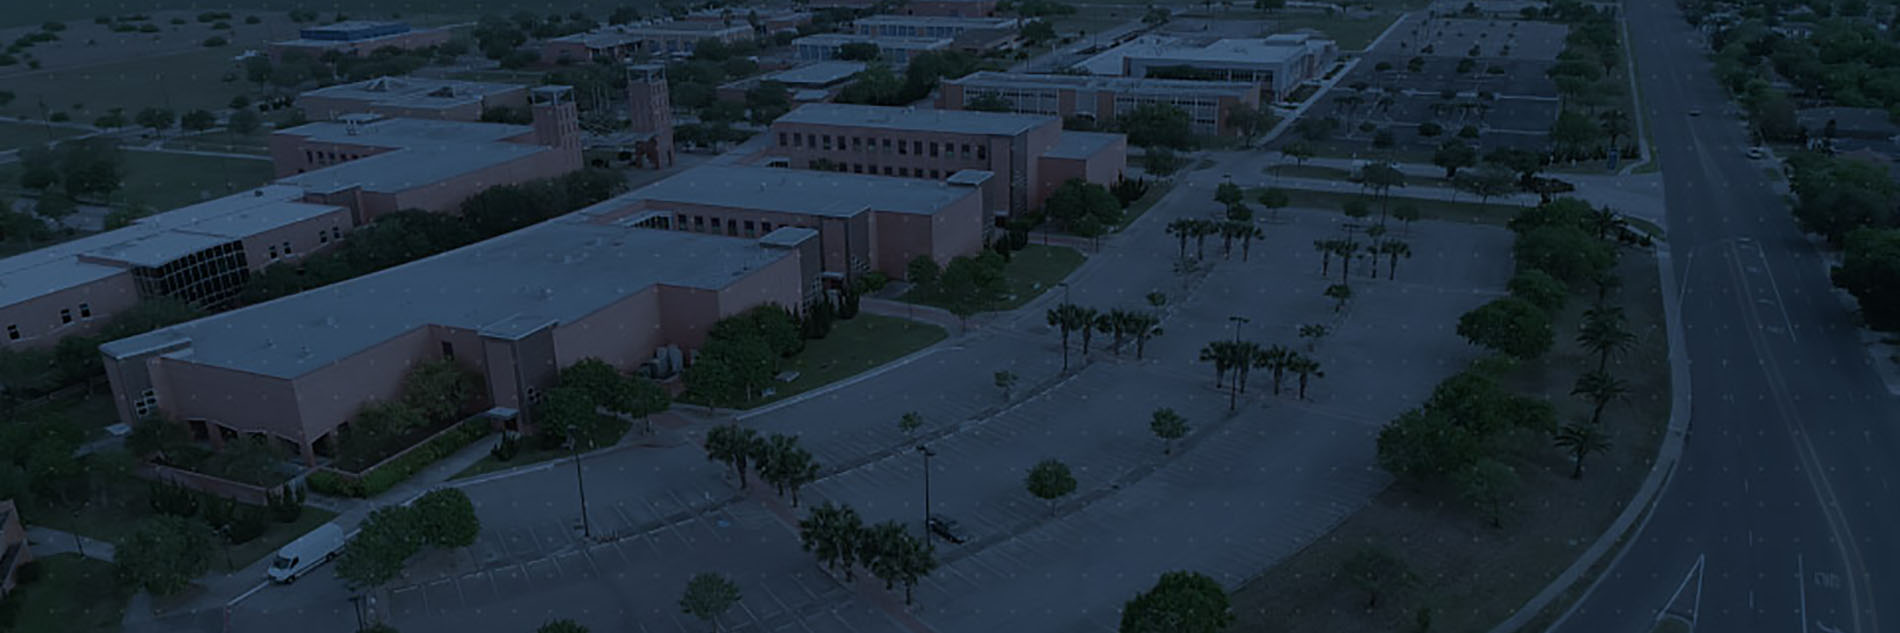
1351,33
1029,273
257,142
852,347
13,135
183,81
275,537
532,452
1156,190
1472,212
167,180
72,595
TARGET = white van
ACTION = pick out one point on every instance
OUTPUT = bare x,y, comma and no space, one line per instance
306,553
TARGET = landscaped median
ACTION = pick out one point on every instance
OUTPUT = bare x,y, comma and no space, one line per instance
395,469
1548,442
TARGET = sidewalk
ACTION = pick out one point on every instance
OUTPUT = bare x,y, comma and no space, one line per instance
48,541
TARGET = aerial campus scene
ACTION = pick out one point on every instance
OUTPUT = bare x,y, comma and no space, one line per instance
950,316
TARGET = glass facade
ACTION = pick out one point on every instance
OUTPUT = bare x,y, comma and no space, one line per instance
211,278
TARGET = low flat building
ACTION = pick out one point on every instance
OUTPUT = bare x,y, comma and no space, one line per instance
894,50
13,546
863,223
1277,62
927,26
929,144
951,8
202,254
357,38
620,43
766,21
375,165
1103,98
809,83
413,98
514,309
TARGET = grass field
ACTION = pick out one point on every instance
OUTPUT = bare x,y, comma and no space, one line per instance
168,180
73,595
1472,575
182,81
1029,273
1352,33
532,452
853,347
17,135
224,141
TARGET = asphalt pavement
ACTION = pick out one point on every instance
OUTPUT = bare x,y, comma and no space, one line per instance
1783,493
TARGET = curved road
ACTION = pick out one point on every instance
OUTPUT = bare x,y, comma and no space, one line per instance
1785,489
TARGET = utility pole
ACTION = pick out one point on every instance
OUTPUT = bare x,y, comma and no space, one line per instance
580,483
927,453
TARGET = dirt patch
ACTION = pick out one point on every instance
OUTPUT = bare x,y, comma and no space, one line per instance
1470,575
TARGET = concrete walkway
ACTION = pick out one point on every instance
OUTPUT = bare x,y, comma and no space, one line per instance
47,541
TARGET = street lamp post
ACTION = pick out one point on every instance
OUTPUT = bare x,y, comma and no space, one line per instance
356,601
1238,321
580,483
927,453
1065,290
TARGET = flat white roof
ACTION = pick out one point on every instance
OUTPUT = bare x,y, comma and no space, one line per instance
1127,85
895,118
801,191
415,92
424,152
152,241
554,272
895,43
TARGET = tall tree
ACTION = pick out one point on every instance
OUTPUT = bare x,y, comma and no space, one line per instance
833,533
1274,199
1393,250
707,596
1306,368
1067,318
1454,155
734,446
163,554
1169,426
1180,602
1050,480
1489,484
1581,440
1182,229
1143,326
1600,388
1510,325
1604,333
445,517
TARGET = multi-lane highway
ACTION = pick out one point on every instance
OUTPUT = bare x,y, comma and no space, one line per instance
1785,489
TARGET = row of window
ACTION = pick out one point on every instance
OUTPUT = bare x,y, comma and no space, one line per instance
861,168
65,318
732,228
827,142
325,157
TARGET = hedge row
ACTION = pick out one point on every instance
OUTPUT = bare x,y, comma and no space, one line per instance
380,479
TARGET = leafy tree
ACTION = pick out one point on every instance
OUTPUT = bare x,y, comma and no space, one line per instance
446,518
158,119
1510,325
438,389
1036,32
1489,182
1393,250
1524,163
1340,294
1180,602
244,121
858,51
894,556
1228,194
562,625
1006,381
910,422
568,413
1161,161
1313,332
833,533
198,120
734,446
923,270
1158,125
1489,484
1453,156
1274,199
1306,368
1540,289
1870,270
1076,199
383,543
1067,318
1050,480
708,595
1169,426
1376,571
164,554
1565,252
785,464
111,120
603,385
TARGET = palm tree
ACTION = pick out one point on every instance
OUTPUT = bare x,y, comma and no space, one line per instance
1346,249
1182,229
1219,353
1604,334
1394,249
1581,440
1228,231
1202,229
1339,293
1275,359
1605,281
1305,367
1089,318
1600,388
1143,326
1248,234
1326,249
1605,222
833,532
734,446
1066,318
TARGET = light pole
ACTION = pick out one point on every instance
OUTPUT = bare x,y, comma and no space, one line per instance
357,602
1238,321
580,483
1065,291
925,450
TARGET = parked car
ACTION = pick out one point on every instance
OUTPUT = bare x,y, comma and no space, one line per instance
297,558
947,529
1756,153
1695,111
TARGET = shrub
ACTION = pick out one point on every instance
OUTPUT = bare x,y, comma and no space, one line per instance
335,485
397,470
27,573
246,524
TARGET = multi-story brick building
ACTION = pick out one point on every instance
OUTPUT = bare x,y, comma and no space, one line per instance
203,254
935,145
621,43
412,98
375,165
13,546
863,223
1277,62
928,26
1104,98
514,309
894,50
358,39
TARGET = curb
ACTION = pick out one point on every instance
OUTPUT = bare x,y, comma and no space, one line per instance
1667,456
